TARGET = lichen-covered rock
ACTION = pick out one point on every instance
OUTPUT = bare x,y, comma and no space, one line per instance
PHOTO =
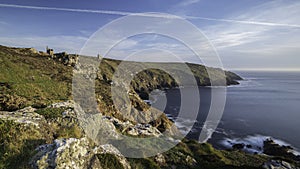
134,130
160,159
66,104
74,154
109,149
143,130
26,116
64,153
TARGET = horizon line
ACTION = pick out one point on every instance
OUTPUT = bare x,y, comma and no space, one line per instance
265,69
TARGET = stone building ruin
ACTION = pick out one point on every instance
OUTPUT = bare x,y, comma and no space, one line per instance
63,57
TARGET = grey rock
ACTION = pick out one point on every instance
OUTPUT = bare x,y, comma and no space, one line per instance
160,159
73,153
278,164
25,116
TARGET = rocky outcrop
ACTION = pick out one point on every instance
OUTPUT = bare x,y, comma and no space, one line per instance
274,149
134,130
278,164
82,152
66,149
124,127
65,58
25,116
74,154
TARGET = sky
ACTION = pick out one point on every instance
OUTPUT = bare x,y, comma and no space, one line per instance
246,34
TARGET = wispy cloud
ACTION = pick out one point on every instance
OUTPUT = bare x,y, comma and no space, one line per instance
235,34
246,22
245,38
122,13
256,45
3,23
187,3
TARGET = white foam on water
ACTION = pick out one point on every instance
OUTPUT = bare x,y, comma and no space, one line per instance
249,82
256,142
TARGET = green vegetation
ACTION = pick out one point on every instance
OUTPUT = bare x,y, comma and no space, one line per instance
109,161
30,79
27,79
191,154
141,163
51,113
12,102
208,157
17,144
67,131
61,128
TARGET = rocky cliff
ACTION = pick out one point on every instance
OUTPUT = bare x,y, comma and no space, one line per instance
39,125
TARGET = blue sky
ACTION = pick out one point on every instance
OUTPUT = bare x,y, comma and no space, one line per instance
247,34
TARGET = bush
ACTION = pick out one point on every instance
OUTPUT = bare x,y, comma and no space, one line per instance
142,163
51,113
109,161
12,102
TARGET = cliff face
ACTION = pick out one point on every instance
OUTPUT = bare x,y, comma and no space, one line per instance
39,127
30,78
150,79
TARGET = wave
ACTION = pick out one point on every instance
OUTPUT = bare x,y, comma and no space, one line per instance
154,95
254,143
249,82
186,126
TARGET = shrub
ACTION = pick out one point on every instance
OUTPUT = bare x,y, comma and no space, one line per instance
51,113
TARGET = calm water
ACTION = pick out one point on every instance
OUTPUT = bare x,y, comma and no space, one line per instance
265,104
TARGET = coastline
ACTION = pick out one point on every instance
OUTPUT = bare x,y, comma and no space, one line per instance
53,120
254,140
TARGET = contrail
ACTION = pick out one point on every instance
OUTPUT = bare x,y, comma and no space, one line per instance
122,13
245,22
88,11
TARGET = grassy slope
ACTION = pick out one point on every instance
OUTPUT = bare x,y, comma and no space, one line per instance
35,79
150,79
31,79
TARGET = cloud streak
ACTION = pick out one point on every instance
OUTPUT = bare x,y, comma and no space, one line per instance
3,23
122,13
246,22
188,2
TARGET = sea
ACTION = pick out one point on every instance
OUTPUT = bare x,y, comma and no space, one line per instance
266,104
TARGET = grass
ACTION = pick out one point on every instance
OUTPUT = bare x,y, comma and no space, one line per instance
17,144
109,161
61,128
141,163
25,76
65,131
51,113
29,79
205,155
193,155
18,141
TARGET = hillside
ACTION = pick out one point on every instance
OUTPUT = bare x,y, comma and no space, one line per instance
36,79
37,118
